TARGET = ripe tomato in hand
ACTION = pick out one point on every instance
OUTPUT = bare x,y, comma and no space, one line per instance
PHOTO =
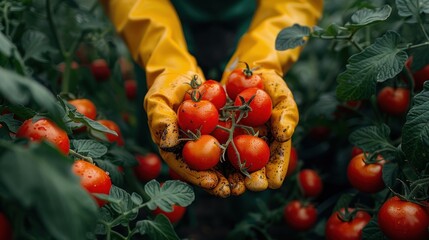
299,216
210,90
5,228
112,126
254,152
293,161
310,182
261,106
241,79
394,101
203,153
130,89
400,219
365,177
92,178
85,107
100,70
174,216
45,129
149,167
338,228
222,136
201,115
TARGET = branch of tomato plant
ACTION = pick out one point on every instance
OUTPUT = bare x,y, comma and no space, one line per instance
6,18
80,156
348,38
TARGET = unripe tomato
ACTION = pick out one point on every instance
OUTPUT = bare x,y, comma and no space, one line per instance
241,79
298,216
254,152
365,177
92,178
210,90
203,153
130,89
45,129
112,126
100,70
402,220
338,228
310,182
5,228
201,115
174,216
261,106
149,167
85,107
394,101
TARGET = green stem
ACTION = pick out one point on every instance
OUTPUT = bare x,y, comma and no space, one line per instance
65,84
53,28
78,155
422,27
6,18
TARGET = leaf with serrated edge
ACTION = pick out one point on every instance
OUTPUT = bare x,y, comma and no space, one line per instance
371,138
158,229
366,16
379,62
292,37
171,192
412,8
89,148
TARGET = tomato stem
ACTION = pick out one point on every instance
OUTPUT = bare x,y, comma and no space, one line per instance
247,71
80,156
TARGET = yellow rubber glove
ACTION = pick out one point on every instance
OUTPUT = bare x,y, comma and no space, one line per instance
153,34
257,48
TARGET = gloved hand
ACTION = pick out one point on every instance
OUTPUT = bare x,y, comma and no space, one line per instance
257,48
154,37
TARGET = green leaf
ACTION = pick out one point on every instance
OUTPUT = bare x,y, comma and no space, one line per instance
121,157
21,90
6,46
411,9
120,200
292,37
366,16
420,58
159,229
371,138
114,173
34,44
415,133
47,185
390,174
171,192
344,201
89,148
11,123
372,231
379,62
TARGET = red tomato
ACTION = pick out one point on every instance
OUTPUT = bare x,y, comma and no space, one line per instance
100,70
310,182
356,151
92,178
365,177
420,76
261,106
112,126
293,161
394,101
337,228
254,152
5,228
85,107
298,216
203,153
222,136
45,129
174,175
201,115
175,216
212,91
149,167
400,219
130,89
126,67
241,79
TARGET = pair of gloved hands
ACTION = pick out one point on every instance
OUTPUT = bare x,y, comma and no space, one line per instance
154,36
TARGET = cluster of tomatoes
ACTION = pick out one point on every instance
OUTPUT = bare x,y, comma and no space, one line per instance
226,122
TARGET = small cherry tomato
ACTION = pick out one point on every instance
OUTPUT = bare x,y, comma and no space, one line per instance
366,177
85,106
394,101
5,228
299,216
210,90
338,227
241,79
149,167
112,126
130,89
420,75
93,179
174,216
222,135
310,182
261,106
293,161
45,129
400,219
203,153
254,152
100,70
201,115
